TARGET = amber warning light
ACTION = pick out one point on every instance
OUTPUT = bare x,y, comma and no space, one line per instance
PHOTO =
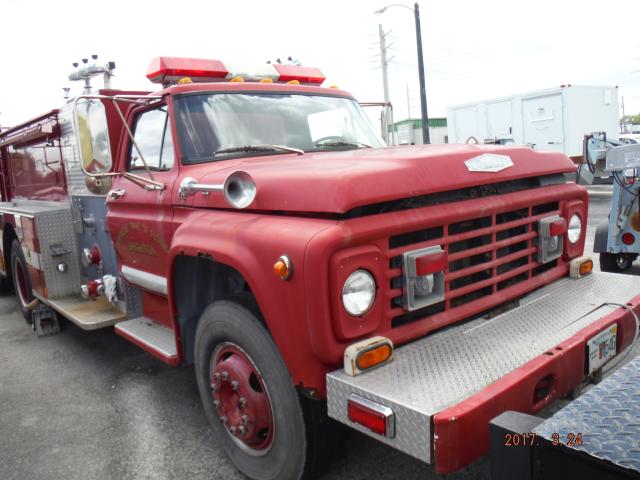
170,70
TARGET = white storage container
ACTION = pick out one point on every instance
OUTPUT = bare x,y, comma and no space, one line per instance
555,119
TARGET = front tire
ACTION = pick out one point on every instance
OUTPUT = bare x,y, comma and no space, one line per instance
21,279
266,429
616,262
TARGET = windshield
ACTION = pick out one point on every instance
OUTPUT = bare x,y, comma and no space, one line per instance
218,126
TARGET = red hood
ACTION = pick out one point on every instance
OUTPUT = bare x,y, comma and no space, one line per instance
336,182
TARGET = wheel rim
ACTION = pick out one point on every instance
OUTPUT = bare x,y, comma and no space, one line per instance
21,286
622,262
241,399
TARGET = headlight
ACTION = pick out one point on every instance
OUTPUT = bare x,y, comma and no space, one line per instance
358,293
575,228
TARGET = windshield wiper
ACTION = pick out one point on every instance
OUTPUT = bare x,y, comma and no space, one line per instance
342,144
259,148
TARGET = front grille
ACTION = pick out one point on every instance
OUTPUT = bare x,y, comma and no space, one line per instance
486,255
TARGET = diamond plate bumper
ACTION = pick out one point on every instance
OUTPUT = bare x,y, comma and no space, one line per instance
445,388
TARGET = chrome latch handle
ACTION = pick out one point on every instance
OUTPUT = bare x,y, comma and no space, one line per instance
116,194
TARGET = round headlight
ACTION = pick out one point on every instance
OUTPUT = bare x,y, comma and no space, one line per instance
358,293
575,228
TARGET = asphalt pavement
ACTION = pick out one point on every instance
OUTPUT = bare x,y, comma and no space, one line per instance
90,405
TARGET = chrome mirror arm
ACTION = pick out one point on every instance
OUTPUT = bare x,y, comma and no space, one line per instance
189,186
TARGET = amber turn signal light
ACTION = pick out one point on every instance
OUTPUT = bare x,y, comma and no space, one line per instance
283,267
366,354
374,356
581,266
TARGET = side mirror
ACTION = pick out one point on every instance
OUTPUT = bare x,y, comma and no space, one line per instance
92,132
99,184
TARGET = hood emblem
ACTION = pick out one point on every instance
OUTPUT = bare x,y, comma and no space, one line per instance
488,162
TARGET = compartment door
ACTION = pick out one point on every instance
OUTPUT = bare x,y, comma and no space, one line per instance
543,122
499,120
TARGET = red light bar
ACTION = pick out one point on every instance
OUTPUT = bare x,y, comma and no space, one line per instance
302,74
377,418
171,69
432,263
558,227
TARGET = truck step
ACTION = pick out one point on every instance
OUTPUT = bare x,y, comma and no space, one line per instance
150,336
600,430
87,314
45,321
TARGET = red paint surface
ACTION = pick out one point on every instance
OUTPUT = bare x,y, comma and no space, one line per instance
322,286
431,263
558,227
340,181
461,432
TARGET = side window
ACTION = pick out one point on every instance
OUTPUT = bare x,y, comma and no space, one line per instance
152,134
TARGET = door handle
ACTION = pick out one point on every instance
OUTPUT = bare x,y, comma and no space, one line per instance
116,194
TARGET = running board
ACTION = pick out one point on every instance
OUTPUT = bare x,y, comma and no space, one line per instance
156,339
86,314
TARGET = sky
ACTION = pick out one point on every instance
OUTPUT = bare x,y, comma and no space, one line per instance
473,50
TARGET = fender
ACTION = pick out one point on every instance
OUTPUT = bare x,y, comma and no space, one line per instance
601,237
251,244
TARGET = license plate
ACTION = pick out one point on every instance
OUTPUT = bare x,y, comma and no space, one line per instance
602,348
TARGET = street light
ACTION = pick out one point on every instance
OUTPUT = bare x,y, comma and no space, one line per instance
423,92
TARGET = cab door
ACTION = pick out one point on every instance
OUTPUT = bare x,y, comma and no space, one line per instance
140,219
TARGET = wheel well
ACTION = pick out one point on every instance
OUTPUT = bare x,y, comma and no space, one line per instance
8,236
198,282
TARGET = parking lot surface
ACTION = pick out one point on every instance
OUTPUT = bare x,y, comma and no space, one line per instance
90,405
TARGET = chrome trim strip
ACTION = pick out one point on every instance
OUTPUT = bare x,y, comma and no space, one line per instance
148,281
10,211
388,414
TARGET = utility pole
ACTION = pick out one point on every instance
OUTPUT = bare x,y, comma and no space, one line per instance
385,81
624,118
423,89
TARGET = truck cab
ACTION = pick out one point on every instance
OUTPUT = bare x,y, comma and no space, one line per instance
256,226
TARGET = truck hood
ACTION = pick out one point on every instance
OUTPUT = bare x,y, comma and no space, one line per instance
337,182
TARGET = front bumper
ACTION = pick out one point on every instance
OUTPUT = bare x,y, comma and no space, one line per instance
445,388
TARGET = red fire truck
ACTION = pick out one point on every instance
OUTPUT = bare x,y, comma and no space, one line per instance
255,225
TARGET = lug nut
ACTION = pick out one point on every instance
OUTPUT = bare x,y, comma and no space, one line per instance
232,430
223,419
216,403
216,377
214,387
235,385
243,403
225,375
245,419
242,430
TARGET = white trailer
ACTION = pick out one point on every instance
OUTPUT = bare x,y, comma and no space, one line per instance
555,119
